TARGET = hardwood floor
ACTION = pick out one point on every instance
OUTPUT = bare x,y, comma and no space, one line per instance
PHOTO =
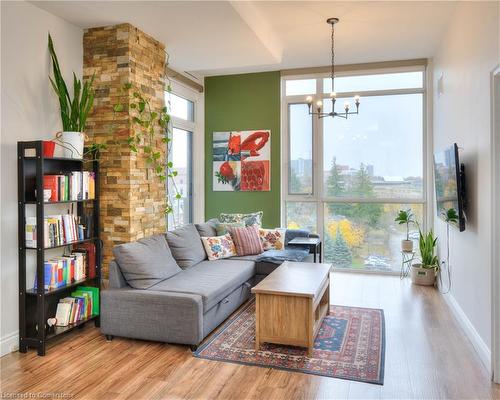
427,357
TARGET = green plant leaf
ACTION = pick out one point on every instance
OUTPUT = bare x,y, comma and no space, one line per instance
118,107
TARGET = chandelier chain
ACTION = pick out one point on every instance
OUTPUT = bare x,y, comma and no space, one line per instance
333,57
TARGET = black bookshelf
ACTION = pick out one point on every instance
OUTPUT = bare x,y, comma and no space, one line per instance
37,305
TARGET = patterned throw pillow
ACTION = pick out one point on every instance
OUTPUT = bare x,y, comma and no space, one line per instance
222,228
246,240
272,239
248,219
218,247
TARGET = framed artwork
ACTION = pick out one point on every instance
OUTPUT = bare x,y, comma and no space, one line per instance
242,161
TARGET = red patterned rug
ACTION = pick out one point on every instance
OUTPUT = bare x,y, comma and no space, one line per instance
350,345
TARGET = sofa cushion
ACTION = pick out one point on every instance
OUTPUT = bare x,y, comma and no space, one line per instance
246,240
207,229
222,228
250,219
212,280
146,262
185,245
295,233
219,247
272,239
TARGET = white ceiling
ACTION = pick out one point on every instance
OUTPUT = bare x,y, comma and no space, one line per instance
220,37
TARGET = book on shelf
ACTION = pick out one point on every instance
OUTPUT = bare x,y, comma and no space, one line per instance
76,185
59,230
81,304
89,250
62,313
63,271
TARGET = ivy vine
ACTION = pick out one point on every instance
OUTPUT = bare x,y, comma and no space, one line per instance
150,127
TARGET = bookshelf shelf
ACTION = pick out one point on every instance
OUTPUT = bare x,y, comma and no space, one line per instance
65,244
37,305
34,292
49,159
58,330
61,202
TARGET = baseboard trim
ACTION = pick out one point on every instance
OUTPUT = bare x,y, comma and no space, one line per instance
477,341
9,343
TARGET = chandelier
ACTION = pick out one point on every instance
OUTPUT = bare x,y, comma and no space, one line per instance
317,109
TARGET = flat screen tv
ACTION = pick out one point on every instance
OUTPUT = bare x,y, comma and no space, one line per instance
449,176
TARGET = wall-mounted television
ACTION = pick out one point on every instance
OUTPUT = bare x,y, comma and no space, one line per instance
449,181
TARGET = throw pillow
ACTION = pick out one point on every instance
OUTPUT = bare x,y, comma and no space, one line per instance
186,246
248,219
246,240
146,262
218,247
222,228
272,239
207,229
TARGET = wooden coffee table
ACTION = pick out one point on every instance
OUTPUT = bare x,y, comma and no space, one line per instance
290,304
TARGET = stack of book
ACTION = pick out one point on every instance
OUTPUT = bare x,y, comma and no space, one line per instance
63,271
59,230
82,304
76,185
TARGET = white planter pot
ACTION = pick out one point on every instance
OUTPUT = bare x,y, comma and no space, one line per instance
70,144
422,276
407,245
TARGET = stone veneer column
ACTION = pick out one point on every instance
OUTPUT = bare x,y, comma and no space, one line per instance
132,197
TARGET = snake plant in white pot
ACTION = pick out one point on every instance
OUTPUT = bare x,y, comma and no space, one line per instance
74,109
424,273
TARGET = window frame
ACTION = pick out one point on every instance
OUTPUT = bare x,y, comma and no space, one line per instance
198,145
318,197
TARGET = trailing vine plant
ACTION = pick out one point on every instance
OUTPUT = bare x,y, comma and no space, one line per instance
147,126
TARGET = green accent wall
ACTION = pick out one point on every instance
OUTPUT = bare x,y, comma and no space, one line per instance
239,103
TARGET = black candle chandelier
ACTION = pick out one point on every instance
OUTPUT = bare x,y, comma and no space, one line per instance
317,109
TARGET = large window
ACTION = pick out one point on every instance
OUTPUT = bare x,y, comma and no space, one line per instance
347,178
180,154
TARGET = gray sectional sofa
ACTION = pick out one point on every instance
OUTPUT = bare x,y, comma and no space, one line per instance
163,288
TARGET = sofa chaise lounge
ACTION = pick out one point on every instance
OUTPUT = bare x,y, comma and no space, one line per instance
163,288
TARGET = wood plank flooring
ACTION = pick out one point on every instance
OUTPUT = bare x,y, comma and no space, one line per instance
427,357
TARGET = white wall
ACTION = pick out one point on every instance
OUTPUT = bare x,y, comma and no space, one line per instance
468,54
29,112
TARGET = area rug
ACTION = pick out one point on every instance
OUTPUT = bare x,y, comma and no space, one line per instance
350,345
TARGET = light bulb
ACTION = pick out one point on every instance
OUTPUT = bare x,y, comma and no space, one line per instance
309,99
333,95
319,103
346,106
356,98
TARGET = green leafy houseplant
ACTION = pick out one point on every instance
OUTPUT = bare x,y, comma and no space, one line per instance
74,109
405,217
150,133
450,215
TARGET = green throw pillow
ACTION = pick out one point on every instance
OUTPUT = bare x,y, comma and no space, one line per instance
221,228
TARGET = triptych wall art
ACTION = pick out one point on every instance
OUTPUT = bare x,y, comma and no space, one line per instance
242,161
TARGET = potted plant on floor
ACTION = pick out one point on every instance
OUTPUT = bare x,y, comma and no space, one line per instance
424,273
74,109
406,217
